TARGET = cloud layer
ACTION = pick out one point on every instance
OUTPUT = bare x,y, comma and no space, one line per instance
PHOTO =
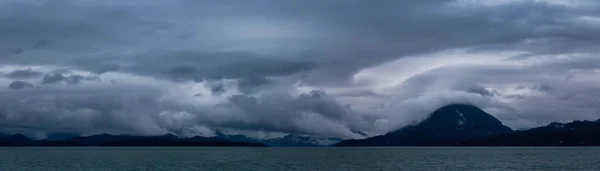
316,67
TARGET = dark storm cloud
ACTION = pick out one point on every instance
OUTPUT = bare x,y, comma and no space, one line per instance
82,111
217,88
379,27
15,85
107,68
480,91
544,88
22,15
24,74
258,63
198,66
250,84
57,77
313,113
137,110
18,51
358,34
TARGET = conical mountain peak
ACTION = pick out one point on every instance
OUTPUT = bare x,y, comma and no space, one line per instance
448,125
463,116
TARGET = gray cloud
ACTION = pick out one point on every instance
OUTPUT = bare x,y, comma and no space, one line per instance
107,68
250,84
217,88
57,77
97,110
24,74
15,85
321,67
313,113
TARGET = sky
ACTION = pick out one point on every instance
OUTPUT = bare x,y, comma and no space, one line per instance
266,68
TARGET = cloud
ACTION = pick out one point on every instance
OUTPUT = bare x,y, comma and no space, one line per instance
250,84
55,77
24,74
313,113
319,67
148,109
518,89
15,85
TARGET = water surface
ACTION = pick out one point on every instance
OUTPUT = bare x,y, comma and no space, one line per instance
239,158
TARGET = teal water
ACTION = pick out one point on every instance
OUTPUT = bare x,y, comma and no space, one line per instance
219,158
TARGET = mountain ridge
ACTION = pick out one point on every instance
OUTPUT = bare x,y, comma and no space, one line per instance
576,133
124,140
450,125
467,125
447,125
290,140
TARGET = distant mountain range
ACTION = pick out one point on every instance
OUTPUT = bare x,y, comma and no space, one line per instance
221,139
578,133
452,125
290,140
123,140
467,125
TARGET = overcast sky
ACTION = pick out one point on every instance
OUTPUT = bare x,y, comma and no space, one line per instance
332,68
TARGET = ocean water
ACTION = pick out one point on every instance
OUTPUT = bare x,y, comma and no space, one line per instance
220,158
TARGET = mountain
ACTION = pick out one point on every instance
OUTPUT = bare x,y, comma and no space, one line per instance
449,125
100,139
290,140
123,140
14,140
575,133
174,141
165,140
55,136
236,138
300,141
